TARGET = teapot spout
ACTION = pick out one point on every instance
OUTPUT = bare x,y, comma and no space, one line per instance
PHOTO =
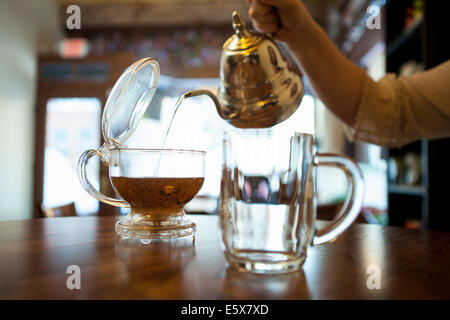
213,97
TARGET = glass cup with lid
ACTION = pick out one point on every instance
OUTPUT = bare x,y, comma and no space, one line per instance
154,183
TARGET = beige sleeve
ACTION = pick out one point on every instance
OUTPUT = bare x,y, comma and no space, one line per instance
395,111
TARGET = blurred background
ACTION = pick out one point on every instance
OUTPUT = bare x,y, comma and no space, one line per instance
54,83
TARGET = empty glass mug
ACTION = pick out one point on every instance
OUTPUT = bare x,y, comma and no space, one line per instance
155,183
268,199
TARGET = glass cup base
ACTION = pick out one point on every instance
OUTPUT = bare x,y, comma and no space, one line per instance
265,263
141,227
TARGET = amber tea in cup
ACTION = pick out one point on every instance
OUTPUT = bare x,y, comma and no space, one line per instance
157,196
155,184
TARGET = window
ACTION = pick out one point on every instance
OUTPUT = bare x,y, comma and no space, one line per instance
72,126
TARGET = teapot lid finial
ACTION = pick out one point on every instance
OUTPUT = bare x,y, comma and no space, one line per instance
242,38
239,25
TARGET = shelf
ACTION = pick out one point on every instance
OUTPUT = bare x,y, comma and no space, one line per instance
406,189
422,42
404,37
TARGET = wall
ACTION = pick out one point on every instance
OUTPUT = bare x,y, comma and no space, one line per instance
26,27
329,130
331,182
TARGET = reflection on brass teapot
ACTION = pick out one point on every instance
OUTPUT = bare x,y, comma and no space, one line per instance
257,88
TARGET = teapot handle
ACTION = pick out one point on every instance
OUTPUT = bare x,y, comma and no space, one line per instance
352,206
82,176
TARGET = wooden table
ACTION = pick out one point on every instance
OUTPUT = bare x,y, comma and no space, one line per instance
35,254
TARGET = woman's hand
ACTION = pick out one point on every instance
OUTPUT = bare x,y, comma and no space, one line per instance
287,20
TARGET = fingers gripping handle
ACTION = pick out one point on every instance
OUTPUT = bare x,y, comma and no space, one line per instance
275,11
352,206
82,176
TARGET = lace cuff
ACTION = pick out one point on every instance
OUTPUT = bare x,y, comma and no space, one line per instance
379,118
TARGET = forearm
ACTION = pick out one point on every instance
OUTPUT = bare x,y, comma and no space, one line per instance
336,80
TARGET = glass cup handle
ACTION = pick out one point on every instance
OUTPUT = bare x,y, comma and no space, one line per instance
82,175
352,206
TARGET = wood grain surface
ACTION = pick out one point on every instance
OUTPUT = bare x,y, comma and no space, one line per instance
34,256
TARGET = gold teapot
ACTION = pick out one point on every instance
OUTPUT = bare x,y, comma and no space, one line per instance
257,88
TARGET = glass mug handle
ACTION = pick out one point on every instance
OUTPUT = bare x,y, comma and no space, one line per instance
82,175
352,206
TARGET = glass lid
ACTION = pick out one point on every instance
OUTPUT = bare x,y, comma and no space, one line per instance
129,99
